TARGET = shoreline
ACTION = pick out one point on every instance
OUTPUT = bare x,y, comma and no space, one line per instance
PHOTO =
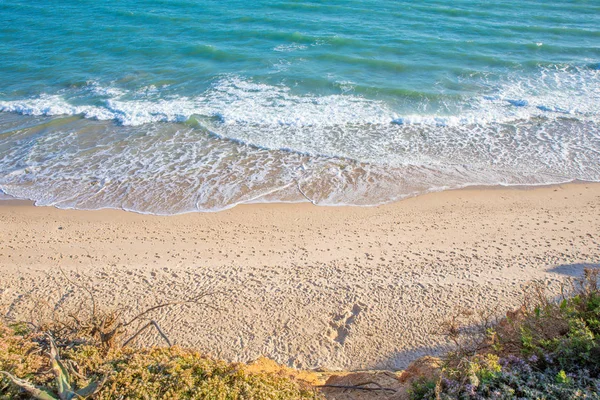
338,287
6,199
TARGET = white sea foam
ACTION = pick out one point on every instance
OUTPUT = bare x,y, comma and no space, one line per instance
53,105
4,196
290,47
153,170
330,150
109,91
233,100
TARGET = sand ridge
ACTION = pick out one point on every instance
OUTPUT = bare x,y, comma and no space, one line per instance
331,287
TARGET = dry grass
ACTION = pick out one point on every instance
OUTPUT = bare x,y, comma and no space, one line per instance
76,316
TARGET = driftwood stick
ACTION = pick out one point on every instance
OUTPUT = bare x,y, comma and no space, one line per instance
194,300
360,387
161,333
151,323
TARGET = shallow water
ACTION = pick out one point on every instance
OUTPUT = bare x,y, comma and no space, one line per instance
175,106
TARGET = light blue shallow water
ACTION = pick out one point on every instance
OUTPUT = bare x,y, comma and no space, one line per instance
175,106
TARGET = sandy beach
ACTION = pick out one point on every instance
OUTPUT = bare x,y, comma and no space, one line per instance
329,287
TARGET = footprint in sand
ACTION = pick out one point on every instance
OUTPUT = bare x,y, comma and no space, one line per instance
339,328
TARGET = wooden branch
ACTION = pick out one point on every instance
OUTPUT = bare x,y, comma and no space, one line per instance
169,304
83,287
151,323
360,387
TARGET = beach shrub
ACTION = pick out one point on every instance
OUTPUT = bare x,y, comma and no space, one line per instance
547,349
148,373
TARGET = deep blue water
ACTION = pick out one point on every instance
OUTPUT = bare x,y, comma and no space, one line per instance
176,106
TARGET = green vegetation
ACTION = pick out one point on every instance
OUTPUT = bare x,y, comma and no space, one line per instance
546,350
169,373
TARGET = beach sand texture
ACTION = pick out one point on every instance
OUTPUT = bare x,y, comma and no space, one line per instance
331,287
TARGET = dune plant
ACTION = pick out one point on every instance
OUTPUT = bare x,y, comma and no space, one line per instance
66,389
132,373
547,349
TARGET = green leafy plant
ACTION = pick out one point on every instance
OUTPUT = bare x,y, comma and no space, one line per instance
64,383
131,373
547,348
562,377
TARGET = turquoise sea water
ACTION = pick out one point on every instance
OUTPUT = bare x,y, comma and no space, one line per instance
179,105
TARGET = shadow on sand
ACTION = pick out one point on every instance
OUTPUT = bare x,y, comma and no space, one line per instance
399,360
573,270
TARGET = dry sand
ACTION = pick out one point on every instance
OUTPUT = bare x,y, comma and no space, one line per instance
342,287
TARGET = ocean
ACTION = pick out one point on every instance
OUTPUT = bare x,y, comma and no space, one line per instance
174,106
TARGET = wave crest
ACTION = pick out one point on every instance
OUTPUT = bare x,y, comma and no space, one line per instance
554,92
